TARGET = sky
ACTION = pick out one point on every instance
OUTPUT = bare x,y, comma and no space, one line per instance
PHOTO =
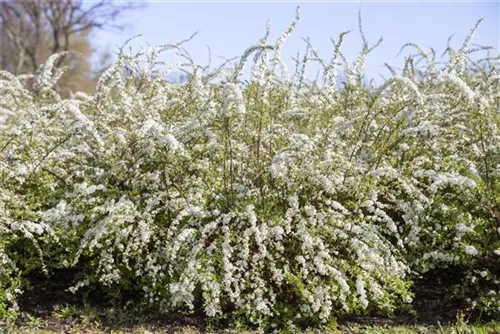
229,28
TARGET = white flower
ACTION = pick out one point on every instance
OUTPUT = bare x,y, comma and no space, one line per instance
470,250
404,147
151,126
234,96
310,210
463,228
171,141
460,84
293,201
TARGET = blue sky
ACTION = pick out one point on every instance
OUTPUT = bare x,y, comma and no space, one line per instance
230,27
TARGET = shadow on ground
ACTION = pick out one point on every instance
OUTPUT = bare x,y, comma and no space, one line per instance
48,298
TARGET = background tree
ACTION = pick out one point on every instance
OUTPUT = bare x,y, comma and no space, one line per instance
33,30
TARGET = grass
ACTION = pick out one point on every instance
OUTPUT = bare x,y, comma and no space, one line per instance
59,312
74,319
488,328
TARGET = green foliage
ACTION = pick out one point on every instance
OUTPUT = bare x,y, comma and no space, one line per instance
273,201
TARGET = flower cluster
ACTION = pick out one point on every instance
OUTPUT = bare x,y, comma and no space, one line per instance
274,199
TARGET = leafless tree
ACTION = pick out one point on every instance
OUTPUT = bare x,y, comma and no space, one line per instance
31,30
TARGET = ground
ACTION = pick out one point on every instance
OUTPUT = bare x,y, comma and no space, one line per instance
48,308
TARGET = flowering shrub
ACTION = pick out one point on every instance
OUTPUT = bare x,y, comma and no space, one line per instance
274,199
